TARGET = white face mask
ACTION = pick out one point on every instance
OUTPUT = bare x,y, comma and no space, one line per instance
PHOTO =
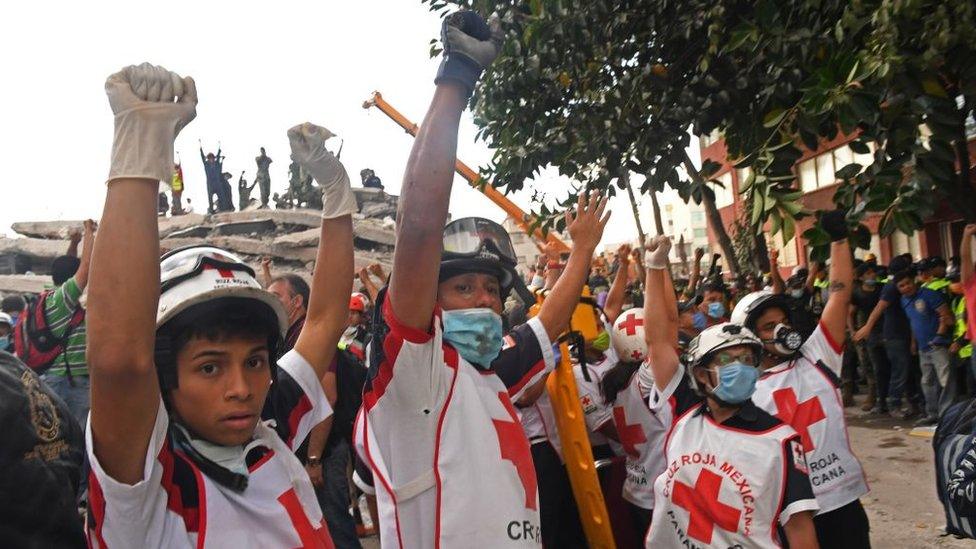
231,458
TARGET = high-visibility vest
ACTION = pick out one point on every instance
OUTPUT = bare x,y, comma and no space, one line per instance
959,309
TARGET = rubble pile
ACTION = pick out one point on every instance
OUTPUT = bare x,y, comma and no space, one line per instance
289,237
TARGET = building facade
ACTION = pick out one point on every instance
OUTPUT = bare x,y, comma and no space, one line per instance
815,171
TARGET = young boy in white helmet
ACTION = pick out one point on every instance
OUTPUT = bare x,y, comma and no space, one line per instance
194,418
800,384
736,476
438,427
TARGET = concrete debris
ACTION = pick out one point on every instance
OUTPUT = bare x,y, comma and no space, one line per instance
289,237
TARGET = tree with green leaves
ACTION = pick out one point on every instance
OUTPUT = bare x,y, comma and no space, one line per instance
598,88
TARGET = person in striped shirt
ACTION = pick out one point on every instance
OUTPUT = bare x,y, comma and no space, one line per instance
68,375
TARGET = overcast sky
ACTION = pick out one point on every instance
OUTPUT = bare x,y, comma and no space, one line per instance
260,68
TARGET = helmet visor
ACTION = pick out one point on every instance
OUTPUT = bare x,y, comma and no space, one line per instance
179,265
479,237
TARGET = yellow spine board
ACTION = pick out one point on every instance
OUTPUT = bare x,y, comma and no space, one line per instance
578,454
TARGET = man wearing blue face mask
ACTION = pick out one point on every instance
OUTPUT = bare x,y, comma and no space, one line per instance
800,384
711,310
736,476
438,426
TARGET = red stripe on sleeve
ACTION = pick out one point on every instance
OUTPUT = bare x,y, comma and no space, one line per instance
303,407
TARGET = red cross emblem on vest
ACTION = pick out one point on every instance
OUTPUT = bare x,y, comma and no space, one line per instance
630,324
799,416
515,448
630,435
705,511
224,273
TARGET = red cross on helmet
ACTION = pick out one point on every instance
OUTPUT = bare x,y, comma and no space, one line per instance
627,336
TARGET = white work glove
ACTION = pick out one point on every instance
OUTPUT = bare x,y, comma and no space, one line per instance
656,256
147,119
470,45
308,149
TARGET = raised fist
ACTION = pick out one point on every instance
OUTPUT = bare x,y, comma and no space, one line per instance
151,106
657,253
470,45
308,149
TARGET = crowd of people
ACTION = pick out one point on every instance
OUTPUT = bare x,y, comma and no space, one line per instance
191,401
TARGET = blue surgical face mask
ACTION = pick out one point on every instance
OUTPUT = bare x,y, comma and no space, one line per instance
4,342
699,321
716,309
476,334
736,383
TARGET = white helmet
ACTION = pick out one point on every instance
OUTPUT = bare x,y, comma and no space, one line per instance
748,309
627,335
6,319
197,274
714,339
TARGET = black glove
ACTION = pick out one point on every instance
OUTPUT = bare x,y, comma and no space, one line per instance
835,224
470,45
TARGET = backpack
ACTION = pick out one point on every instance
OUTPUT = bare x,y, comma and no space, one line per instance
350,379
34,342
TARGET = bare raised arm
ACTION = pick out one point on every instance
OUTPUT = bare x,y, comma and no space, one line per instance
661,314
84,267
426,193
586,229
966,254
778,285
124,283
615,297
328,306
841,276
470,45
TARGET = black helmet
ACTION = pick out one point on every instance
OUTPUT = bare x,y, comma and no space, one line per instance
478,245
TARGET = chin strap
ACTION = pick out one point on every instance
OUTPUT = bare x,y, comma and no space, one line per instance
219,474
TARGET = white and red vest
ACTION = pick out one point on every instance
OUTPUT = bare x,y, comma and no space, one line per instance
177,505
642,437
451,463
805,393
725,485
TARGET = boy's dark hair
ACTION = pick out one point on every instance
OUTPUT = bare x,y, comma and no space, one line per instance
903,274
214,321
13,304
864,268
64,267
297,284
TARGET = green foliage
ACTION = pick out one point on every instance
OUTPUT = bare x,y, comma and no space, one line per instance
594,88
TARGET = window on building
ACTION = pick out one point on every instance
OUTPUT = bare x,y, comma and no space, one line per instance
700,233
904,244
723,192
874,249
698,218
821,170
787,250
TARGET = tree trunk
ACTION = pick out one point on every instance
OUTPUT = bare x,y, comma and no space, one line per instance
714,217
658,223
625,178
761,253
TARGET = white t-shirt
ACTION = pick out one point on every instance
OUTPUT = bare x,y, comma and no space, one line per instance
725,484
176,505
805,393
451,463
